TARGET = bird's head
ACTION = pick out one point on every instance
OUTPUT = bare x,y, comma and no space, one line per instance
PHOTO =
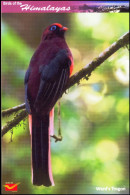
54,30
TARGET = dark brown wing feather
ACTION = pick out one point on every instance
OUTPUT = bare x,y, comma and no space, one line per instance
54,77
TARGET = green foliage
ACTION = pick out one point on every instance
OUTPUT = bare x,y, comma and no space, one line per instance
94,114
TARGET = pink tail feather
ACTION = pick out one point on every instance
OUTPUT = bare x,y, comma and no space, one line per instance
49,160
51,122
51,133
30,129
30,123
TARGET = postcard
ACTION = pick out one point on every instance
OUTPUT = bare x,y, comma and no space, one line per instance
65,97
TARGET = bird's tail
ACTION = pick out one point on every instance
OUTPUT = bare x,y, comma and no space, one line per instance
41,155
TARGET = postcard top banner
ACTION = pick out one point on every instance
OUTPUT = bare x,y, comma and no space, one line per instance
63,6
36,6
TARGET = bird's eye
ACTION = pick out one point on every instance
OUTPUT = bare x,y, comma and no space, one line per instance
53,28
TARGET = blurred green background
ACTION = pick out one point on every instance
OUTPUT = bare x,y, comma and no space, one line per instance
94,114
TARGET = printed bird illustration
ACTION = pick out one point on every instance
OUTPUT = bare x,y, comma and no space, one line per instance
47,75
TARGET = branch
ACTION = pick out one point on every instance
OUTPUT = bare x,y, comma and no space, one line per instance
22,115
83,73
14,109
87,70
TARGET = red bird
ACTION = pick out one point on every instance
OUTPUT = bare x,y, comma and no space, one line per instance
48,73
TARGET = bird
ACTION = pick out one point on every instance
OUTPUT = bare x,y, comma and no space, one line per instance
45,79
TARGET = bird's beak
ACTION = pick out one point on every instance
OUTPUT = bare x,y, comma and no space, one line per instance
64,28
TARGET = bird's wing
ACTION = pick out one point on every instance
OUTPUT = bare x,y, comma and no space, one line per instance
54,77
26,90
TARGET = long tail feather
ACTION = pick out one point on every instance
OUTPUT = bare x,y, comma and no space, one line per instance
41,154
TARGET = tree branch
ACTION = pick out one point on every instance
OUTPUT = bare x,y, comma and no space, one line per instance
10,124
87,70
13,109
83,73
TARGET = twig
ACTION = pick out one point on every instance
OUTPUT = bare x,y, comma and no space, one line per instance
57,138
84,73
59,120
11,138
